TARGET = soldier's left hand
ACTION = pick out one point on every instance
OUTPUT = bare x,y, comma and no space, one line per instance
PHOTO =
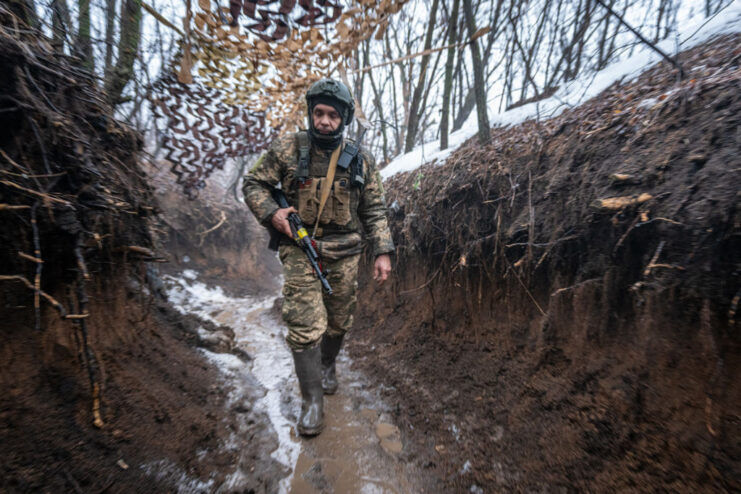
382,268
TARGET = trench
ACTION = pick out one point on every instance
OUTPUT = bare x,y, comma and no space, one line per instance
360,449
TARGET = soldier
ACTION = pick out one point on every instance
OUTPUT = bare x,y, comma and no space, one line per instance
300,163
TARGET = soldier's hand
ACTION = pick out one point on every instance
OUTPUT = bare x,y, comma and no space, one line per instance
382,268
280,220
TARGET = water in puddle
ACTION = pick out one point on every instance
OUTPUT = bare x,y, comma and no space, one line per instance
359,449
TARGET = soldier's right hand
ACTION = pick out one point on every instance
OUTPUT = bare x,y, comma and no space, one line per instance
280,220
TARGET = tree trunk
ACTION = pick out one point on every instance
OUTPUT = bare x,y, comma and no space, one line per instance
110,14
466,104
414,110
469,102
128,45
395,99
378,103
448,84
83,44
60,22
479,84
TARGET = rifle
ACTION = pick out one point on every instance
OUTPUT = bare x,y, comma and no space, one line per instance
302,238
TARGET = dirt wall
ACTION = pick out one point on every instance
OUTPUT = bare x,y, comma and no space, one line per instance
215,234
165,424
563,316
102,388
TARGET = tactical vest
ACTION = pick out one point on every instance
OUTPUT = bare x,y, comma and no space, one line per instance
348,180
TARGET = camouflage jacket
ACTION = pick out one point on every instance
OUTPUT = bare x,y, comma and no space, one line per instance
346,211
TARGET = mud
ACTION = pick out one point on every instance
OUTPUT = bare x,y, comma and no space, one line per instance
181,404
535,340
81,212
360,448
166,424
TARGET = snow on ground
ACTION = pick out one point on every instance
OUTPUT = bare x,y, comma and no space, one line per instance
166,471
262,337
691,33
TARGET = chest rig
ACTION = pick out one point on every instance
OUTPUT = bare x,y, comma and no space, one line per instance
350,161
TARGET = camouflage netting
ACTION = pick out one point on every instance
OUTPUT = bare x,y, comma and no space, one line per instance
203,131
238,87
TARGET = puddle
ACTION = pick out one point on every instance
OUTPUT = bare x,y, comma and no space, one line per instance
358,451
390,437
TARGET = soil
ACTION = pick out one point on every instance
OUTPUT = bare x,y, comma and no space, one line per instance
215,234
117,397
537,337
165,421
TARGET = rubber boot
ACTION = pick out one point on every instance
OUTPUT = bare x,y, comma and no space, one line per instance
309,372
330,348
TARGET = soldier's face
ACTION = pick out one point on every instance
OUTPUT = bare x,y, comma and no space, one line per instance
326,119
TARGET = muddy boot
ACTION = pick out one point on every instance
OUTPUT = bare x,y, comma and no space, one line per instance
330,348
309,372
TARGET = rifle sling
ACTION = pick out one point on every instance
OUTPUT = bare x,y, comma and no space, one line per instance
327,185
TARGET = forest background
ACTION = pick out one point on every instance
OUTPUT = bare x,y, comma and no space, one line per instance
210,83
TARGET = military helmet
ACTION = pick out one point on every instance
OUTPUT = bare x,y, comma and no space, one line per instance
335,90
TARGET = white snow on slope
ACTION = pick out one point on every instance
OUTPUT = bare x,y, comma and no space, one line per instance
693,32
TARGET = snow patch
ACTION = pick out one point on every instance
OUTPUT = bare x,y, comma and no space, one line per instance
260,334
227,363
456,432
692,33
648,103
165,471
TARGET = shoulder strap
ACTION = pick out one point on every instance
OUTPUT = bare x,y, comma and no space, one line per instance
327,184
348,154
351,155
304,157
357,179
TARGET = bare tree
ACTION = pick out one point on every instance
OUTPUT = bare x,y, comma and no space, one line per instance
60,23
83,42
414,110
448,84
128,45
478,76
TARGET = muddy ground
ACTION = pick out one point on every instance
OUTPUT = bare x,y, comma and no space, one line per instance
539,339
165,421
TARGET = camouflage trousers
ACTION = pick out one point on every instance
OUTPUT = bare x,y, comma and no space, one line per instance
307,310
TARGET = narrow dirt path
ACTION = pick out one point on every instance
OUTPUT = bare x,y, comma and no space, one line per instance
360,448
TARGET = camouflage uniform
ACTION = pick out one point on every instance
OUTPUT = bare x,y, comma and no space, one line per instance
307,311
